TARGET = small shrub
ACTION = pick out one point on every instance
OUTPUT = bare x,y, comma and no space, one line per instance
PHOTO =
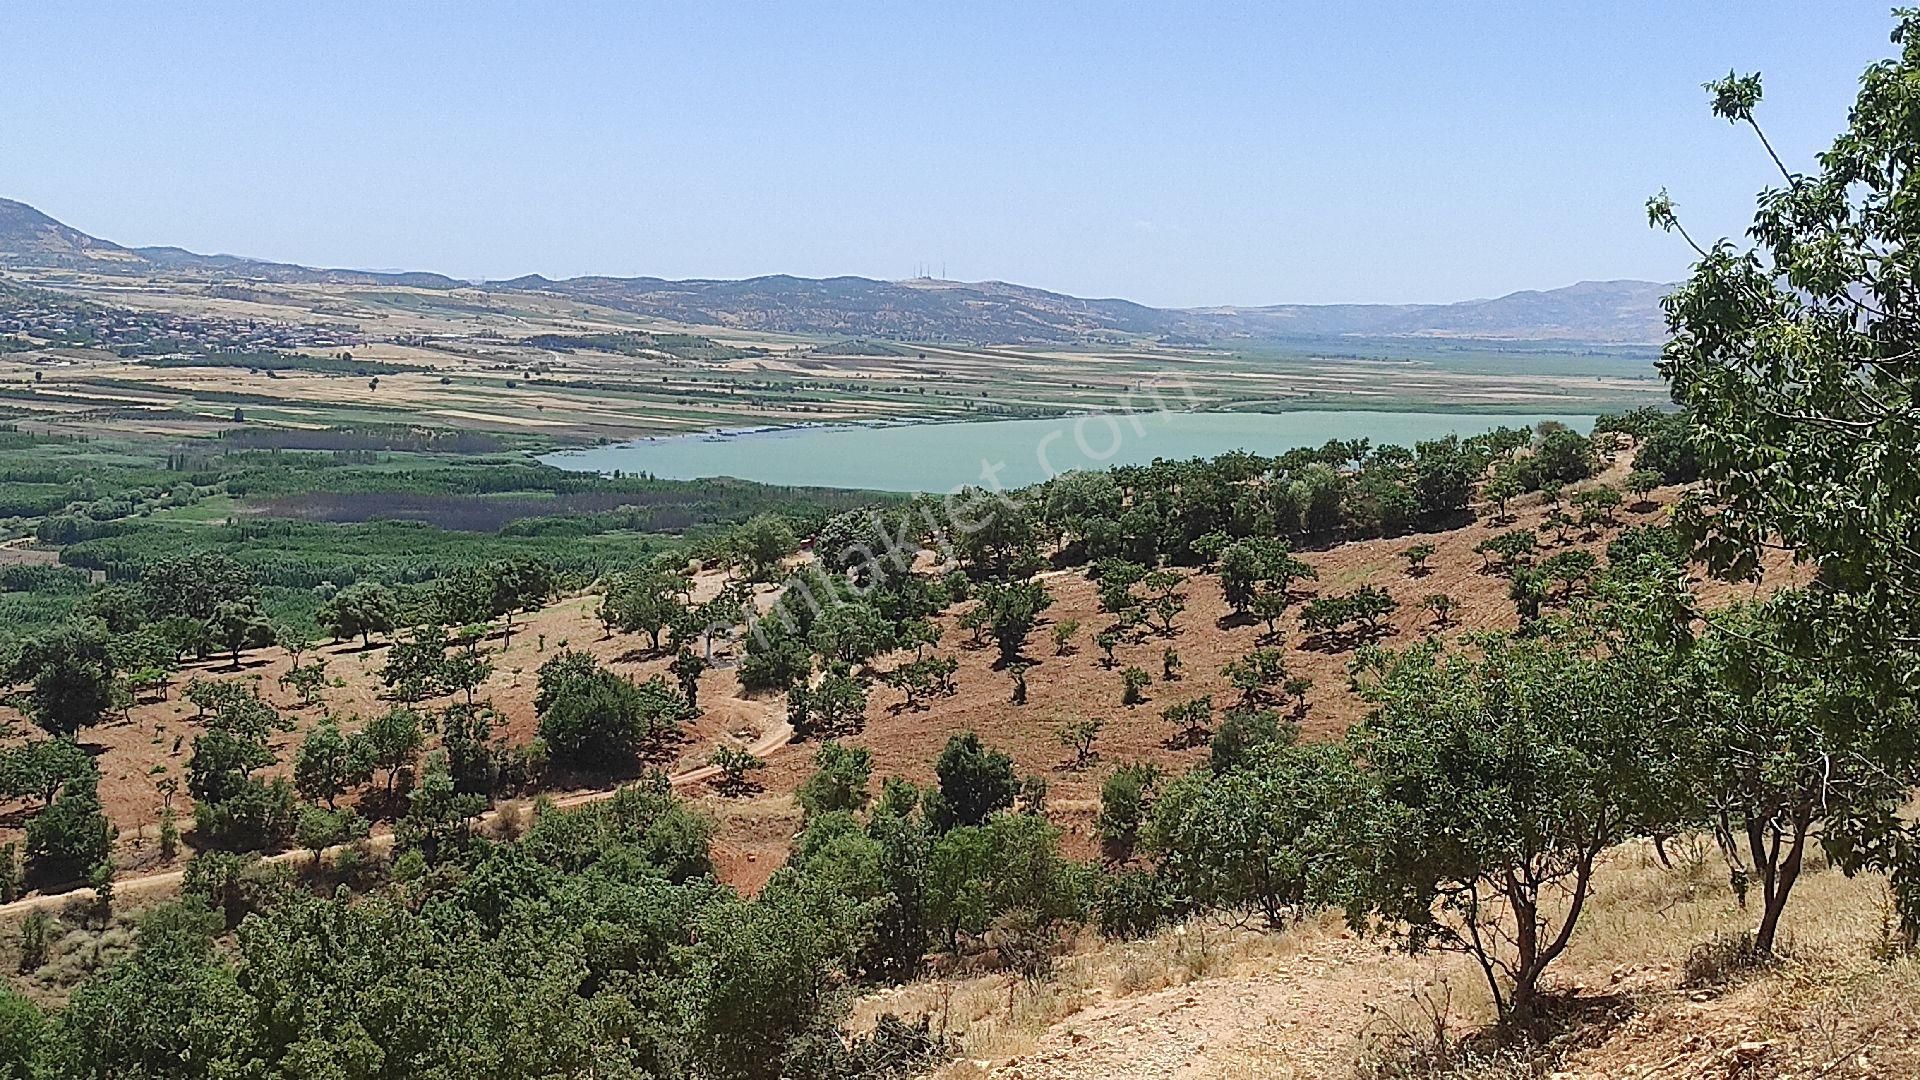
1721,959
12,876
1417,557
735,765
1131,903
1063,632
1079,737
36,940
1124,799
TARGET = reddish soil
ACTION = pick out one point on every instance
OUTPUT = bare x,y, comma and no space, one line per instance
1065,688
154,741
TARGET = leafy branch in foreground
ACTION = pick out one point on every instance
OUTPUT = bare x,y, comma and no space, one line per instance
1797,360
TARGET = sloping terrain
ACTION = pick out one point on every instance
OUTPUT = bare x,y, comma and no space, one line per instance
31,238
984,312
994,311
1641,998
1624,311
862,307
151,741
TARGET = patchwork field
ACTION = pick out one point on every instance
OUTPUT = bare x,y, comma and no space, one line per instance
558,371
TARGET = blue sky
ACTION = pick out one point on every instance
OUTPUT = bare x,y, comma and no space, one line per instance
1173,154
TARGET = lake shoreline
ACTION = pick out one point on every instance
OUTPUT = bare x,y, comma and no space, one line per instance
888,422
905,456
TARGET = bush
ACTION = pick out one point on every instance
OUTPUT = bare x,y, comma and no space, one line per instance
1079,736
1190,719
1562,455
839,782
975,782
1668,449
233,885
1010,612
1334,615
1241,732
1416,557
592,717
734,764
923,678
13,877
838,706
894,1049
72,836
978,875
1131,903
21,1030
1638,543
259,815
1124,798
36,940
775,659
1513,547
1275,835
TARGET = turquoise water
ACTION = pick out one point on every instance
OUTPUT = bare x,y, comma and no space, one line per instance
1011,453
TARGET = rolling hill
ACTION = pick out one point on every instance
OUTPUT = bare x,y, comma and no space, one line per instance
29,238
982,312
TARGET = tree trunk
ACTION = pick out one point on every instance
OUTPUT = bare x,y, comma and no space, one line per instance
1523,1008
1776,882
1526,969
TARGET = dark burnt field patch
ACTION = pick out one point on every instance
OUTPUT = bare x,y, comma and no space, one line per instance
644,511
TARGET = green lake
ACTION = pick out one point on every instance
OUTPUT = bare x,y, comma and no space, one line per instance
1010,453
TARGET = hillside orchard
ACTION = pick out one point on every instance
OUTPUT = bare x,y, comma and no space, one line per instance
811,750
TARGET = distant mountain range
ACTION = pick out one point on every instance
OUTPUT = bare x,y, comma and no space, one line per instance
1600,312
30,238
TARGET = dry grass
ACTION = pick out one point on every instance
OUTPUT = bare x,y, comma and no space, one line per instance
995,1016
1245,1004
78,946
1663,984
1645,916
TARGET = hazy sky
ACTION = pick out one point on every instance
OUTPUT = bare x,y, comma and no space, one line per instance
1419,151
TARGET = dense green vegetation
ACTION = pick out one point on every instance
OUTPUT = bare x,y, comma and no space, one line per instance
1406,837
597,944
270,361
1503,769
304,524
1793,358
635,343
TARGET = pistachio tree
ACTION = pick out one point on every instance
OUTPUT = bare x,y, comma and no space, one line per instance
1497,778
1796,355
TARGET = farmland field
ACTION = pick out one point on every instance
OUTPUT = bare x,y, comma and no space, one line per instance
540,371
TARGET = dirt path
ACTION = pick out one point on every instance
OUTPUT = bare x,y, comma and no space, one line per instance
1299,1017
778,733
